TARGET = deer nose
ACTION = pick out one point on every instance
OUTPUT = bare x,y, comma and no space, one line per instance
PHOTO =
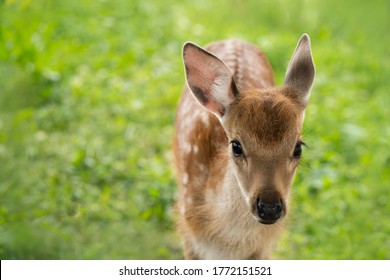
269,212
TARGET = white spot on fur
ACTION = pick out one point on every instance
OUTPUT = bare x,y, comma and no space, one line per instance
202,168
185,179
189,200
186,147
205,118
182,210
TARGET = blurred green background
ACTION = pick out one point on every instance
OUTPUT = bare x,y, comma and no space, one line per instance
88,91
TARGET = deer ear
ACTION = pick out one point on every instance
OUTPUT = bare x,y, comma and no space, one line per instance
300,71
209,79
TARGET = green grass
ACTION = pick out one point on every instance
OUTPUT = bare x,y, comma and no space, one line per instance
88,91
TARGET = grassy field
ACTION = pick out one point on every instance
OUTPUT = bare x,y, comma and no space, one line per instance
88,91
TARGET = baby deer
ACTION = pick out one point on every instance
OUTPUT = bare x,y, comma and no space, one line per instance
237,146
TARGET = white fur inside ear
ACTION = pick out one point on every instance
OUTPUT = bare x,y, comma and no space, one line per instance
220,90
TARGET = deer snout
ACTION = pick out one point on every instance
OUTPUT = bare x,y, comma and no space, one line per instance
270,209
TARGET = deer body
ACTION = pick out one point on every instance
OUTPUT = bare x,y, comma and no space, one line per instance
236,148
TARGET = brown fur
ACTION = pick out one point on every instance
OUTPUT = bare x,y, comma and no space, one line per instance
218,192
268,115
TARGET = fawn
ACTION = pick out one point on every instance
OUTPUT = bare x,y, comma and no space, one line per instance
237,146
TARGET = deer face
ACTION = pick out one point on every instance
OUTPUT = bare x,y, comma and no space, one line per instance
263,126
264,132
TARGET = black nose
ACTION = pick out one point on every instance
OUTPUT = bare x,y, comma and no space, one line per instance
268,212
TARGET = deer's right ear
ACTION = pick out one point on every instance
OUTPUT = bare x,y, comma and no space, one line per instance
209,79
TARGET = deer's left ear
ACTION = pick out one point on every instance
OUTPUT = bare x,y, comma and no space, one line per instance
300,71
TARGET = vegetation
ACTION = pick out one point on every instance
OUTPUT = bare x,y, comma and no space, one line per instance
88,91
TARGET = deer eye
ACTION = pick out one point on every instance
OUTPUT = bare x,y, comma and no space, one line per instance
236,148
298,150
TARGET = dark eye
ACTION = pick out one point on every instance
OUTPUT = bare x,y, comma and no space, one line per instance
236,148
298,150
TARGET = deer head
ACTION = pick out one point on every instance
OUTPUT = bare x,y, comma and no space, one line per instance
263,125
